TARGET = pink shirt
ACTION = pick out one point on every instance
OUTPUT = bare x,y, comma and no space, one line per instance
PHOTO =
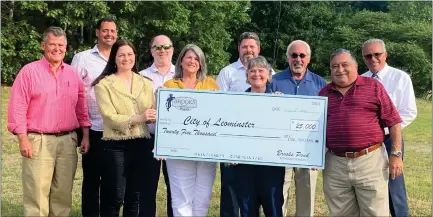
43,102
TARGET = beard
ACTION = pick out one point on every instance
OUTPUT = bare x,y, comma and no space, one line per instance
297,68
246,57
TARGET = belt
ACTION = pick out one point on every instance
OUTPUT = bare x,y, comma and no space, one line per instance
53,134
359,153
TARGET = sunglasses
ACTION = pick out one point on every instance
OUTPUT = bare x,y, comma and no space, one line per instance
162,46
370,56
295,55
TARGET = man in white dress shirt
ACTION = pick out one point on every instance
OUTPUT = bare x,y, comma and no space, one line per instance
399,87
233,78
162,70
89,65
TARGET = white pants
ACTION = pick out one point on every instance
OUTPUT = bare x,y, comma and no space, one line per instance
191,184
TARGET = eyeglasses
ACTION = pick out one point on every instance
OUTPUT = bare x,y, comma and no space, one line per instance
295,55
162,46
370,56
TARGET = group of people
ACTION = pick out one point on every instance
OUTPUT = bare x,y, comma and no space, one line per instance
104,93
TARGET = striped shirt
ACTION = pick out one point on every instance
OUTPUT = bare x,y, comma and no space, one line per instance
89,65
44,102
356,120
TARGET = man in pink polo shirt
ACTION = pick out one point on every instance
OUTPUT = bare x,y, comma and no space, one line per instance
47,103
355,178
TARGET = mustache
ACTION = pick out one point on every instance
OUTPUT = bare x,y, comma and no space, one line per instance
248,53
297,63
338,74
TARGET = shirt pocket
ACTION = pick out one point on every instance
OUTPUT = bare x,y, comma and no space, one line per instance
70,92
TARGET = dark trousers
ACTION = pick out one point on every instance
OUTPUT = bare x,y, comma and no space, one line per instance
152,168
259,185
228,203
91,163
122,176
397,189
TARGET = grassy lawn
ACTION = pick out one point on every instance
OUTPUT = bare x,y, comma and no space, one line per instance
417,167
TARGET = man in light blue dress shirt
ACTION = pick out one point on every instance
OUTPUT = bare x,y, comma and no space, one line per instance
399,87
162,70
298,80
90,64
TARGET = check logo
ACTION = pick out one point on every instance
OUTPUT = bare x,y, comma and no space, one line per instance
181,103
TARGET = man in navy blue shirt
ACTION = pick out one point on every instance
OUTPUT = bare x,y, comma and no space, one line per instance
298,80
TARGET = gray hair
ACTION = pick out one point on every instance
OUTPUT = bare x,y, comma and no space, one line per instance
341,51
249,35
298,42
201,74
56,31
375,40
259,61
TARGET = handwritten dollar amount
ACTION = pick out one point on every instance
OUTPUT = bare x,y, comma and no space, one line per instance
304,125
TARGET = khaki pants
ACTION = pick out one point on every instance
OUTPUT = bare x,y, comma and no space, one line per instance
305,185
358,186
48,176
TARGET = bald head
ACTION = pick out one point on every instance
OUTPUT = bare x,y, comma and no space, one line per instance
160,39
161,48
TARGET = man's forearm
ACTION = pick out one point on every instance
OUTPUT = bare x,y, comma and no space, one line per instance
395,134
22,136
85,131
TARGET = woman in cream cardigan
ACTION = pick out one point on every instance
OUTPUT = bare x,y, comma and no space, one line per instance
191,182
125,100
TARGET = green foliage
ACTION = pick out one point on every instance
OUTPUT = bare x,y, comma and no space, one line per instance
405,27
13,39
412,59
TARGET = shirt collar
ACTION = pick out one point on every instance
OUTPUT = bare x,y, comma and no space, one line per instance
95,50
381,73
47,64
360,80
238,64
155,70
288,74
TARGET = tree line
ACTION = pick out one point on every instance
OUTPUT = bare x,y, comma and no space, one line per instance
406,28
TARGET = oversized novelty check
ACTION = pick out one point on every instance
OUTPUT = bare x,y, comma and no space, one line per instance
238,127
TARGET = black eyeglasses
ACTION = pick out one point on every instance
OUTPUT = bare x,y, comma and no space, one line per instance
162,46
370,56
295,55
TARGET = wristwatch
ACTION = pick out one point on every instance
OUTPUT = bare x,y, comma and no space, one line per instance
396,153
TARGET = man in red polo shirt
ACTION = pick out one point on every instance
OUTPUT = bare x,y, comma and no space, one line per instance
355,178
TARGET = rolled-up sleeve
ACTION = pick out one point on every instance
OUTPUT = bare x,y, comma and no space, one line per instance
19,103
81,108
389,115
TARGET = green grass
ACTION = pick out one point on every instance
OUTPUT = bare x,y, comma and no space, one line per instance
417,167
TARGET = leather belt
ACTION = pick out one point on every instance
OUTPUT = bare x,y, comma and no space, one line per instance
359,153
53,134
